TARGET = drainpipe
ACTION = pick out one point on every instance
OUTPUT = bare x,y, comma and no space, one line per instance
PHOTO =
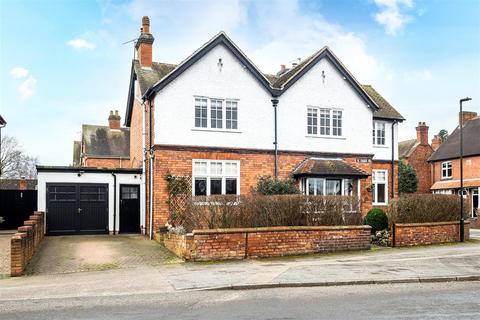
144,174
114,202
275,143
392,177
151,170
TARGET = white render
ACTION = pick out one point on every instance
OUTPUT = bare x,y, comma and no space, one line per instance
174,110
91,177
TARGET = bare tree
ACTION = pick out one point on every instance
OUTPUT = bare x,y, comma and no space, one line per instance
14,163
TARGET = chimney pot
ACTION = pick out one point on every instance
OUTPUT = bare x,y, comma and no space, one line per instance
422,133
114,120
144,44
146,24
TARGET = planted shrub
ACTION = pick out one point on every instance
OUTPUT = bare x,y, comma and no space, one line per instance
268,211
420,208
407,178
268,186
377,219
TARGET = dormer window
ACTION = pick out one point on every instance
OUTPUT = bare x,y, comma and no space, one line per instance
447,170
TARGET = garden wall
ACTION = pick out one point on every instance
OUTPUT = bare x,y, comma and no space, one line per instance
26,242
416,234
241,243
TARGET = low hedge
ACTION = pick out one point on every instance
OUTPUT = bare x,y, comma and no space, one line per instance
421,208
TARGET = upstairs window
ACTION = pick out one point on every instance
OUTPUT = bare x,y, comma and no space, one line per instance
379,133
217,114
324,122
446,170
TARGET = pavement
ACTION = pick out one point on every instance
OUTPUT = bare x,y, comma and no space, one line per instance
389,301
450,262
5,254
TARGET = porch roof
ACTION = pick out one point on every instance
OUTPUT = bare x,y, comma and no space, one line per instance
455,184
327,167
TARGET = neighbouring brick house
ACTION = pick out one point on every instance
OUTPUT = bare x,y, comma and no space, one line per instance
105,146
445,163
416,152
219,120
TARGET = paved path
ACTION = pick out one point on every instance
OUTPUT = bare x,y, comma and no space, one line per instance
5,255
378,265
69,254
455,301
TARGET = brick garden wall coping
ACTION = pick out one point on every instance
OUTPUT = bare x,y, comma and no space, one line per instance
277,229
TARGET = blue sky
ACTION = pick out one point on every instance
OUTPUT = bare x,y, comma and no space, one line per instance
62,63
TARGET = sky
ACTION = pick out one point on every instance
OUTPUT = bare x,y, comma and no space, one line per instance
64,63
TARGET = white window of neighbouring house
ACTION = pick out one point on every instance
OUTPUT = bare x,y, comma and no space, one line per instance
446,169
214,177
216,114
231,115
201,112
378,133
380,187
324,122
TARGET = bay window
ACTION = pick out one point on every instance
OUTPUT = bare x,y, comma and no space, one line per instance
379,187
216,114
215,177
327,186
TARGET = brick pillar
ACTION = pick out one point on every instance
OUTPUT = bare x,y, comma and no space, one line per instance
28,229
36,233
41,220
17,254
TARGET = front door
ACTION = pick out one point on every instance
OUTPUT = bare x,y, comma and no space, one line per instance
129,208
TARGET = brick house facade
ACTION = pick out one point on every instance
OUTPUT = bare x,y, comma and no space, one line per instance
214,117
416,152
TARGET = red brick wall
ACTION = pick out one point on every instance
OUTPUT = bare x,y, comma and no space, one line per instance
25,243
418,160
107,163
136,148
416,234
228,244
471,169
178,161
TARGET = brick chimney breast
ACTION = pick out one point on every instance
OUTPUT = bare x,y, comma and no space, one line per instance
144,44
114,120
466,115
422,133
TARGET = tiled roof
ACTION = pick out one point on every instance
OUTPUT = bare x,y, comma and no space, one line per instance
325,167
386,110
455,184
405,148
147,77
101,141
450,149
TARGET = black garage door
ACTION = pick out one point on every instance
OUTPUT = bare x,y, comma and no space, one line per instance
77,208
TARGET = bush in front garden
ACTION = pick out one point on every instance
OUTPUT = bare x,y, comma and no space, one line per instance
268,211
268,186
420,208
377,219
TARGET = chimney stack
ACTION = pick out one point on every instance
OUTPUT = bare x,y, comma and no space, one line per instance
466,115
144,44
422,133
114,120
436,142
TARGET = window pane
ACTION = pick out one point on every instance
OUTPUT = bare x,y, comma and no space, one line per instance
311,186
231,168
347,187
319,187
200,167
334,187
215,186
312,120
337,123
231,186
216,113
200,186
216,168
381,193
231,115
325,121
200,112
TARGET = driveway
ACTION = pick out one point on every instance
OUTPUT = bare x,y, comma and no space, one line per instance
5,254
69,254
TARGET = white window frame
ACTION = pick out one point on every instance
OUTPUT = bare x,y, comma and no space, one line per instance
305,181
444,170
376,124
329,128
208,176
375,183
224,102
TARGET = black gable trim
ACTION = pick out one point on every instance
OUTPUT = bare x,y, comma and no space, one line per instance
219,39
131,96
327,54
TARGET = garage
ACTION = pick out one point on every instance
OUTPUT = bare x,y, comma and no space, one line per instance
79,200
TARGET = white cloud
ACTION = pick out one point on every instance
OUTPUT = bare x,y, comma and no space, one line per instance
79,43
392,15
19,72
27,88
